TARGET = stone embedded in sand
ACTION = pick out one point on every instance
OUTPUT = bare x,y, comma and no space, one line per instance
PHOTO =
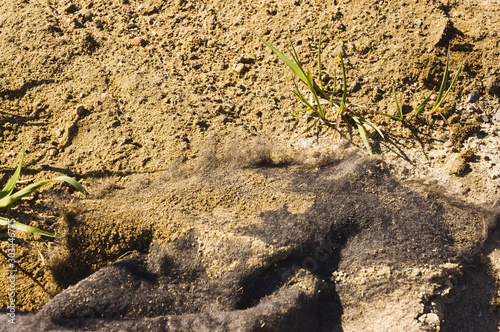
137,41
497,116
448,144
239,68
71,8
52,152
80,111
86,15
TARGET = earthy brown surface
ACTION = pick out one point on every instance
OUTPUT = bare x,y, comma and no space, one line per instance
139,101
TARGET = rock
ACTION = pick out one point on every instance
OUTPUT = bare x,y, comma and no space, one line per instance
52,152
239,68
86,15
71,8
81,111
497,116
473,97
138,41
448,144
459,164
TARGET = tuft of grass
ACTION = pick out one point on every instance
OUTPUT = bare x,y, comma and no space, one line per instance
442,94
443,91
323,100
398,116
9,197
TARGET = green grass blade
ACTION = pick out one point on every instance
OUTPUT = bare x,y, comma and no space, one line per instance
9,200
362,133
452,83
303,110
420,108
73,183
319,108
399,108
24,228
343,101
9,187
295,67
371,124
391,116
301,97
443,82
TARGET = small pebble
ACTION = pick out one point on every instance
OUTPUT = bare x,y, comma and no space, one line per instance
485,119
448,144
497,116
71,8
339,26
98,25
80,111
471,109
211,43
86,14
137,41
472,97
239,68
52,152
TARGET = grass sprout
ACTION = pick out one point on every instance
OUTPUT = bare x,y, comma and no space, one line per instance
322,100
442,94
443,91
9,197
398,116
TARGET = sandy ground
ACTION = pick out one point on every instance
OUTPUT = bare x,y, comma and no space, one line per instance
127,96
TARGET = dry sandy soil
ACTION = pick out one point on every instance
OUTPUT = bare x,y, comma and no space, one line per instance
141,102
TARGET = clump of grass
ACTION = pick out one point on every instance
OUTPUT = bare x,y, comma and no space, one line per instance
442,94
9,197
398,116
322,100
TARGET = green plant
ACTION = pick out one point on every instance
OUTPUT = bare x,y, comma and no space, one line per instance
442,94
7,197
399,116
443,91
315,106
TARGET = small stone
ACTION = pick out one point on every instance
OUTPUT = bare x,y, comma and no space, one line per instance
448,144
137,41
430,319
52,152
71,8
497,116
86,15
485,119
97,25
339,26
211,43
239,68
472,97
80,111
471,109
58,132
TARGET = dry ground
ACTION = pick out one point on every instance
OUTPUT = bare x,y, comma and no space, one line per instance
140,101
